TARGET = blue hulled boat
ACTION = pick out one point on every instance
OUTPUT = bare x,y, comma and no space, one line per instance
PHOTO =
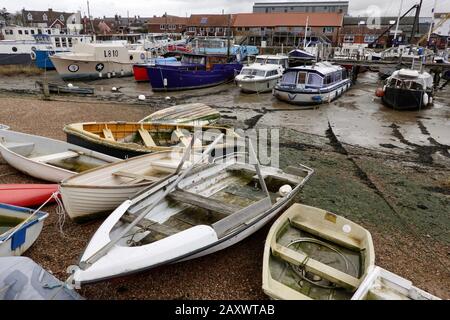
194,71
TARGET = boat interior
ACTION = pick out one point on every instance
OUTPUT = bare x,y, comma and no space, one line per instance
50,152
11,218
318,262
149,134
224,197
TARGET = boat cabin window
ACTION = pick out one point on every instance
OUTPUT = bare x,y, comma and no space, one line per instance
253,72
344,74
57,42
314,80
69,40
301,78
63,42
289,77
272,73
338,76
215,60
328,79
193,59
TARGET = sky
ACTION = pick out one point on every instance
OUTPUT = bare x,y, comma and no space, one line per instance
148,8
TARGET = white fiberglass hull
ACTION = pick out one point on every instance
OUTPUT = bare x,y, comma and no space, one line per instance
258,86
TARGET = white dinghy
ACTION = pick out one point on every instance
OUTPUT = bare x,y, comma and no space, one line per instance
207,208
98,191
46,158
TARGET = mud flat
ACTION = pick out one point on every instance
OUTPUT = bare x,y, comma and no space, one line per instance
401,193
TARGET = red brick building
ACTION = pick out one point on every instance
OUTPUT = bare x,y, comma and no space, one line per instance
167,23
208,24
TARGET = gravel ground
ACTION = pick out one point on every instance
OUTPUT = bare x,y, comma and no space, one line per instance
405,243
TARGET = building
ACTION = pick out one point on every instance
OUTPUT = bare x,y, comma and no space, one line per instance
365,30
208,25
287,28
329,6
166,23
66,21
441,34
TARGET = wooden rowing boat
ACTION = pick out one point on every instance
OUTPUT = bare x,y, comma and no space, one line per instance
197,114
311,253
19,229
46,158
26,195
129,139
208,208
58,88
98,191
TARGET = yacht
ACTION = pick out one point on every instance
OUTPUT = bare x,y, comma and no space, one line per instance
313,84
263,74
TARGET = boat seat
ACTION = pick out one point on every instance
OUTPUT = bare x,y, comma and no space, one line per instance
203,202
348,242
154,227
146,138
136,177
181,137
298,258
19,147
56,156
167,164
108,134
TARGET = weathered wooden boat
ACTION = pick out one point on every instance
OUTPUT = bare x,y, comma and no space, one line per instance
193,72
315,84
59,88
197,114
98,191
381,284
408,89
19,229
23,279
129,139
311,253
46,158
26,195
207,208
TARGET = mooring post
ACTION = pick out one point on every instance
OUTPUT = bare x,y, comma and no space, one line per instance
46,89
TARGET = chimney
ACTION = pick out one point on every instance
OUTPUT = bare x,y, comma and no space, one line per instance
50,10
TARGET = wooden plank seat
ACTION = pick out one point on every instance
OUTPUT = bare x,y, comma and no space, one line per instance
322,270
56,156
108,134
203,202
136,178
150,225
248,168
13,146
146,138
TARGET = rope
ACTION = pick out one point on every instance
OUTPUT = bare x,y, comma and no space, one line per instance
61,212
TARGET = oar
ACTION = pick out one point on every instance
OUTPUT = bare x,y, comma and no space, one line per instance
102,251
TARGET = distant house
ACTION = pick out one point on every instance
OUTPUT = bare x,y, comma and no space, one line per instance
52,19
330,6
208,24
166,24
287,28
365,30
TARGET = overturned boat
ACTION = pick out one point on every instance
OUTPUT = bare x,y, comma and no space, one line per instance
314,84
46,158
311,253
19,229
129,139
207,208
197,114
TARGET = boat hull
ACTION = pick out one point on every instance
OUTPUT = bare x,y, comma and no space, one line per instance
42,59
20,58
402,99
257,86
173,79
140,73
311,97
26,195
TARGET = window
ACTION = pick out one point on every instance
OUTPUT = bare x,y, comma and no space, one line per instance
349,38
44,17
338,76
344,74
61,17
14,49
328,30
63,42
20,32
69,40
314,80
29,16
369,38
289,78
49,31
26,32
57,42
328,79
301,79
162,27
32,31
204,20
239,28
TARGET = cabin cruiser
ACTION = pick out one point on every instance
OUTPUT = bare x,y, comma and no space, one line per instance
263,74
408,89
98,60
314,84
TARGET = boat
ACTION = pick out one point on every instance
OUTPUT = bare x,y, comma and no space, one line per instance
23,279
193,72
26,195
314,84
196,114
4,127
263,74
140,69
59,88
207,208
381,284
19,229
93,193
222,46
129,139
98,60
311,253
45,158
408,89
301,56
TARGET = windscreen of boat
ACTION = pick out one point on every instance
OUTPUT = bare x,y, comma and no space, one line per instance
289,78
314,80
404,84
193,59
253,72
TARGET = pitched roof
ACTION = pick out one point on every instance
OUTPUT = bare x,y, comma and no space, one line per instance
293,19
209,20
168,20
38,16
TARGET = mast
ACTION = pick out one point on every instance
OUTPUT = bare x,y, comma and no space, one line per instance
89,15
416,20
431,23
398,20
306,32
228,38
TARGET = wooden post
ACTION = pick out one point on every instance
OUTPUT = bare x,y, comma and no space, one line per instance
45,89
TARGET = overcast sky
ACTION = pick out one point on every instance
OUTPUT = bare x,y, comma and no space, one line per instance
148,8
